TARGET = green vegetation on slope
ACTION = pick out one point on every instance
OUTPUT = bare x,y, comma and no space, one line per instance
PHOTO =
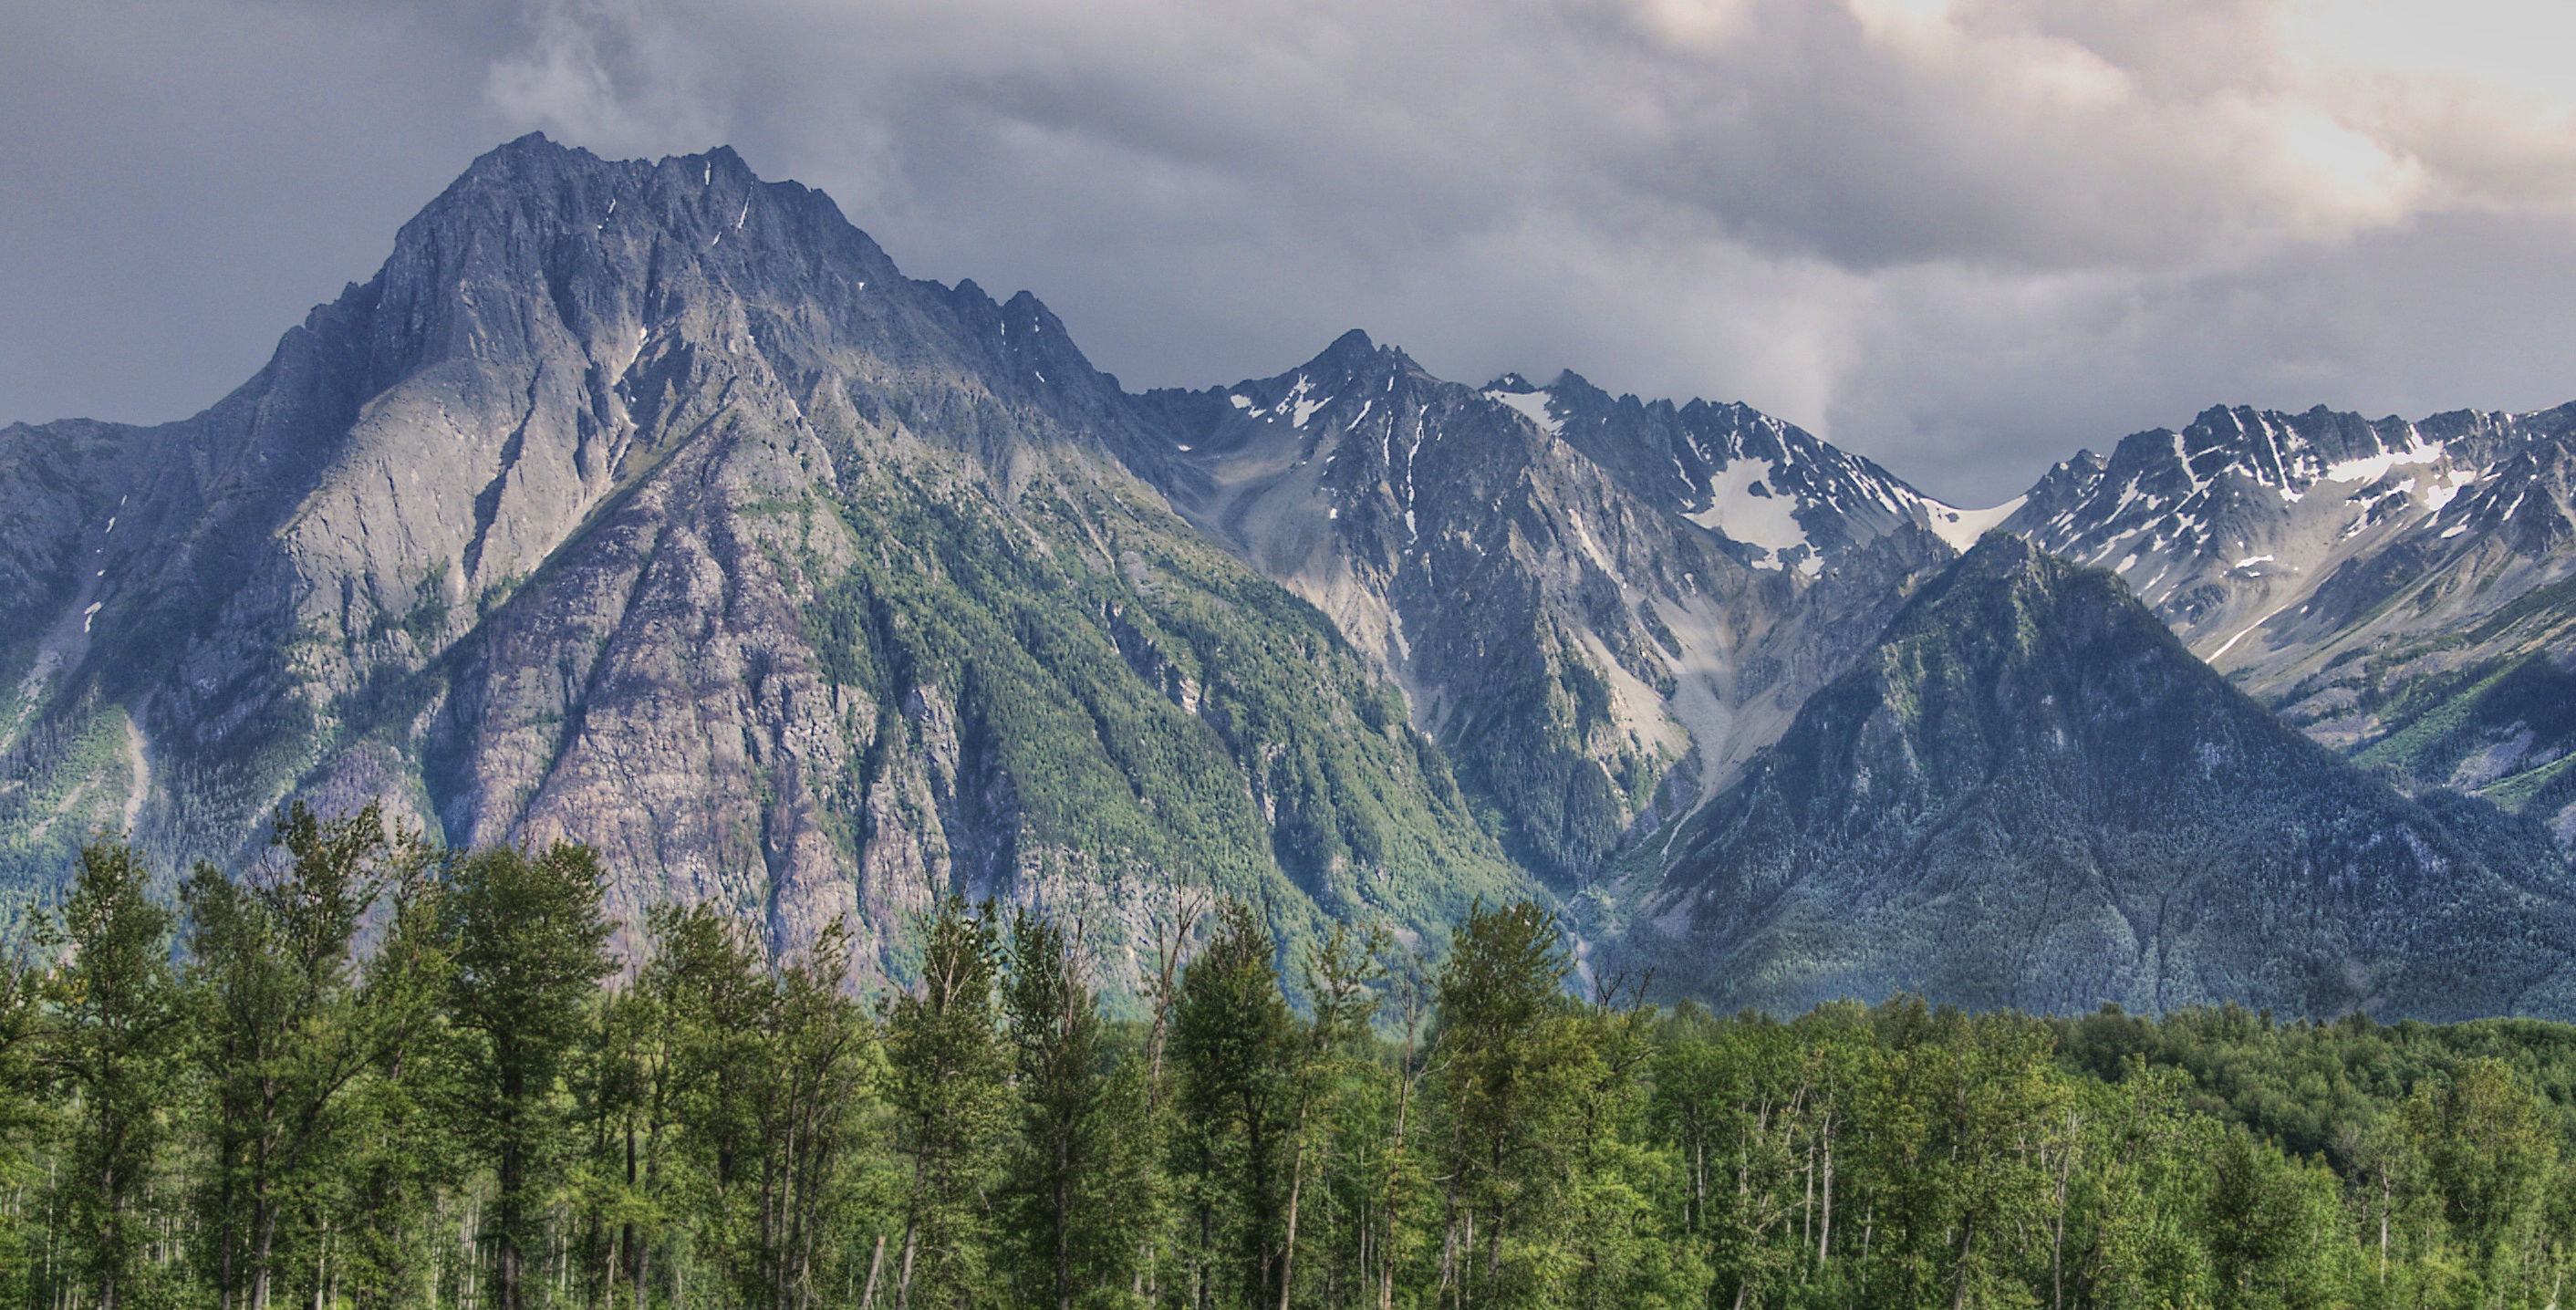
1126,696
62,778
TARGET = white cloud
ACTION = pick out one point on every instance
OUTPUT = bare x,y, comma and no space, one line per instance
607,73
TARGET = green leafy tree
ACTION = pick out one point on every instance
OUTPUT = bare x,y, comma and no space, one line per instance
667,1117
1074,1176
1962,1198
282,1033
401,1161
1518,1081
27,1116
530,948
115,1032
816,1050
2276,1236
948,1087
2484,1152
1233,1039
1338,973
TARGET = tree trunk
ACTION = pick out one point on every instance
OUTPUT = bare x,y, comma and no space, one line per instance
876,1263
1967,1240
1288,1252
903,1282
1063,1217
1386,1248
508,1263
264,1243
1825,1227
2383,1226
2057,1238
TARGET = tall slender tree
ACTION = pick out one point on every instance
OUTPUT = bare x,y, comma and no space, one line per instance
115,1029
814,1058
1233,1038
1519,1071
530,949
1338,972
399,1161
952,1115
282,1034
1058,1058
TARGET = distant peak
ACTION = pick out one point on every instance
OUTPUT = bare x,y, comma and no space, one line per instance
532,152
1352,352
1513,383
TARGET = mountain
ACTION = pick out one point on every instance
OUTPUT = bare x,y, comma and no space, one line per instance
1599,607
649,504
2404,591
2030,793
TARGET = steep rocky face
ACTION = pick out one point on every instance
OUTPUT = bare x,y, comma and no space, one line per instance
2397,589
1600,607
2031,794
649,504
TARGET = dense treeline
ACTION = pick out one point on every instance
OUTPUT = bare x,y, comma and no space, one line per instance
381,1075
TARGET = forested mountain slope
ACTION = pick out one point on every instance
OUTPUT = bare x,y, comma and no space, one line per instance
2030,794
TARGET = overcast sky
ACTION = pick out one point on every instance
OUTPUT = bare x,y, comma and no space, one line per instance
1963,238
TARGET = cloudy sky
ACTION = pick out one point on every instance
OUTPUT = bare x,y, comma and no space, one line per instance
1963,238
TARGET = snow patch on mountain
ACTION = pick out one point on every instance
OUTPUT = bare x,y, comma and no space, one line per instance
1531,405
1742,505
1962,527
2373,468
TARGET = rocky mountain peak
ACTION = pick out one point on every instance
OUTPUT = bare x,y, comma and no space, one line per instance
1349,352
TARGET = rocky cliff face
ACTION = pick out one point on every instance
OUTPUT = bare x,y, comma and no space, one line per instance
2031,794
649,504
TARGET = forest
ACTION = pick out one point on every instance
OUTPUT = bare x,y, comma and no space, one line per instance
374,1073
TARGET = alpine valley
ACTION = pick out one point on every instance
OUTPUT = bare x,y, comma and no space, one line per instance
650,505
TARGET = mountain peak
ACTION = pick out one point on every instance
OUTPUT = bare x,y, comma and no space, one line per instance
1350,352
2001,559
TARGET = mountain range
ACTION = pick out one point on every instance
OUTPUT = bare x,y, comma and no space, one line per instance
649,504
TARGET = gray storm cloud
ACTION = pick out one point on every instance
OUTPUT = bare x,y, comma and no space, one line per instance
1963,238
